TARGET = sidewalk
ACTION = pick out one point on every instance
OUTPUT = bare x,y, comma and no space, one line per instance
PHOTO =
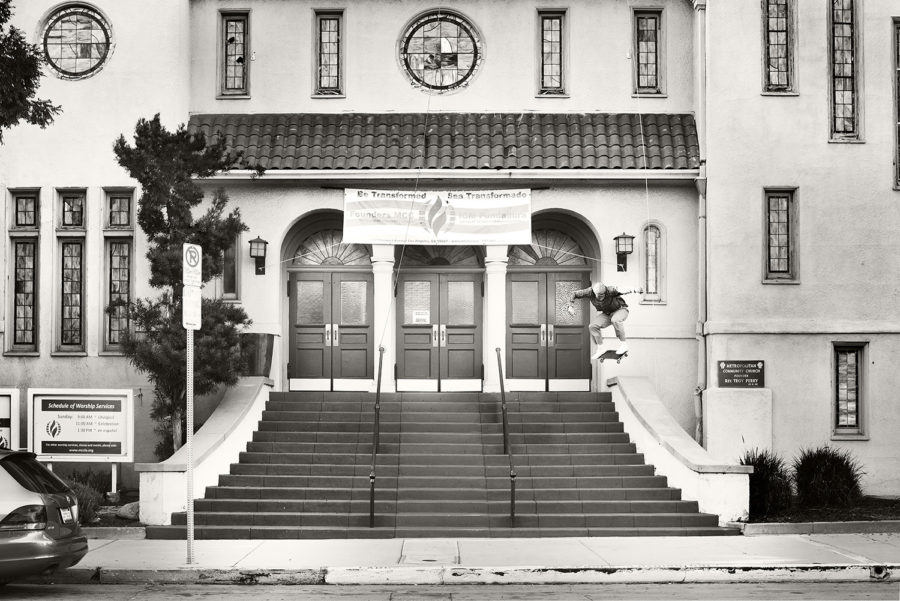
813,557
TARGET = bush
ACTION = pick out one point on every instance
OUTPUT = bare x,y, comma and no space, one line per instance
770,483
100,480
88,501
827,477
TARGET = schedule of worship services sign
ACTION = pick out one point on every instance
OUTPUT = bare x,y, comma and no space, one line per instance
71,425
446,217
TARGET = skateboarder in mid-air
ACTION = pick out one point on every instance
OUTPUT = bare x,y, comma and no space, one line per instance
611,310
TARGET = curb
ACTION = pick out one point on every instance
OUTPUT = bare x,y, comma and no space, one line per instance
114,532
438,575
761,528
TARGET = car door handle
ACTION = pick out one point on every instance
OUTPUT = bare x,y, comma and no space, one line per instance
327,334
336,335
434,335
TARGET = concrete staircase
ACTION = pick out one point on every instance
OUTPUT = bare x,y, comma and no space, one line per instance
441,472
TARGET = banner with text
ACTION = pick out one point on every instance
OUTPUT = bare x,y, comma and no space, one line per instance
437,217
76,427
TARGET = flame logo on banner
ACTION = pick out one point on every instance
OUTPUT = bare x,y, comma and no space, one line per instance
54,429
436,215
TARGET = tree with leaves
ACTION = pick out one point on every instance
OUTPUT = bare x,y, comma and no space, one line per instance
20,74
166,164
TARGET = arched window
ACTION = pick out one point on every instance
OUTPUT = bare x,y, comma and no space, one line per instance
653,264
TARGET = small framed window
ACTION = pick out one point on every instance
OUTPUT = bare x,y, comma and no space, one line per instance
552,40
778,45
780,236
72,295
849,375
72,213
648,52
329,54
230,272
118,290
25,294
118,207
845,74
653,257
235,53
25,210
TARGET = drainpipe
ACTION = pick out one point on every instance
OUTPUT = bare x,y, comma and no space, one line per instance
702,283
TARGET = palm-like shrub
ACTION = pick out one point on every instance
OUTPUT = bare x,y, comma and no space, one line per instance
770,483
827,477
89,499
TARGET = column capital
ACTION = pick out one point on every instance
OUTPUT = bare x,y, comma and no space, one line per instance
382,253
496,253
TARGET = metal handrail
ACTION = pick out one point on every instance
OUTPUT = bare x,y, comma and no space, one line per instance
507,448
376,435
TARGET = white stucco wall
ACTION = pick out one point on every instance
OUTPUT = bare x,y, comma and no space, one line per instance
848,217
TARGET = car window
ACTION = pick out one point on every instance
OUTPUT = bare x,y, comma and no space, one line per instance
32,475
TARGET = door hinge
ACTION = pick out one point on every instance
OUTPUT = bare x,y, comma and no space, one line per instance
482,371
395,372
482,288
288,289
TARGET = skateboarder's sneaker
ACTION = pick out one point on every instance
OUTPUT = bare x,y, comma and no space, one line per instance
600,350
623,348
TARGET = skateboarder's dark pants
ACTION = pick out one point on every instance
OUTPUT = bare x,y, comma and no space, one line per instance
602,320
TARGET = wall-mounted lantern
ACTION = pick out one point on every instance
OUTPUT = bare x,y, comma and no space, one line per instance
624,247
258,252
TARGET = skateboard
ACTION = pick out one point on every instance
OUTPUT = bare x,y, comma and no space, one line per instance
612,355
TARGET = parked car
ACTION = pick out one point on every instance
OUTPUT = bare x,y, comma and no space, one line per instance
39,531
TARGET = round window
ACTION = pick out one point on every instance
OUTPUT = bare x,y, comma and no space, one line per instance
440,51
77,41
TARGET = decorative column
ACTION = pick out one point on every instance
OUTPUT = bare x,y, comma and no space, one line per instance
495,261
385,314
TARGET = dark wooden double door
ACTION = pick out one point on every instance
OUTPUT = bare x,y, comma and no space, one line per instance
331,330
439,333
547,344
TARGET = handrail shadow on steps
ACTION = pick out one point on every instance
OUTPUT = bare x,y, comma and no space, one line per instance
376,427
507,448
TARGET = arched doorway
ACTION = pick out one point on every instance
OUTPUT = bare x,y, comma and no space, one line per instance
547,346
439,318
330,290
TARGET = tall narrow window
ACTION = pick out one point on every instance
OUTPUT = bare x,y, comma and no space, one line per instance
552,46
848,388
897,102
781,260
845,96
235,48
230,272
119,277
328,55
25,295
647,52
72,304
778,40
651,264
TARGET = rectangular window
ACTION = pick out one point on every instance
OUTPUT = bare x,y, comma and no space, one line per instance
845,96
848,374
73,210
229,272
119,211
778,40
119,291
552,45
25,295
328,54
647,41
897,101
26,207
652,263
781,225
72,304
235,48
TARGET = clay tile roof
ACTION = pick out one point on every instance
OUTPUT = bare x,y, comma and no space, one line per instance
458,140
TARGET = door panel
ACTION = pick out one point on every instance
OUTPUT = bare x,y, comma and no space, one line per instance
417,333
460,319
567,351
527,334
352,344
311,344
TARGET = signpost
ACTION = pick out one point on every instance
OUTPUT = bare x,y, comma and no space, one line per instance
191,277
9,418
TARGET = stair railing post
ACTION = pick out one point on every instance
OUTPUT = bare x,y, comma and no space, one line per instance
376,437
507,449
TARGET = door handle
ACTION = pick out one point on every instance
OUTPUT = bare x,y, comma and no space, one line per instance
550,335
543,334
327,334
434,335
336,336
443,335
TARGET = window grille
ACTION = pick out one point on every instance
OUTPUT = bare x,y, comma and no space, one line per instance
647,34
234,76
329,55
843,68
25,275
119,290
72,293
778,45
552,54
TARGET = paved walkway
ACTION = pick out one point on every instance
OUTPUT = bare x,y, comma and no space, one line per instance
856,557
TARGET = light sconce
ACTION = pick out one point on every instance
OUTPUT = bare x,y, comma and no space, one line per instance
258,252
624,247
